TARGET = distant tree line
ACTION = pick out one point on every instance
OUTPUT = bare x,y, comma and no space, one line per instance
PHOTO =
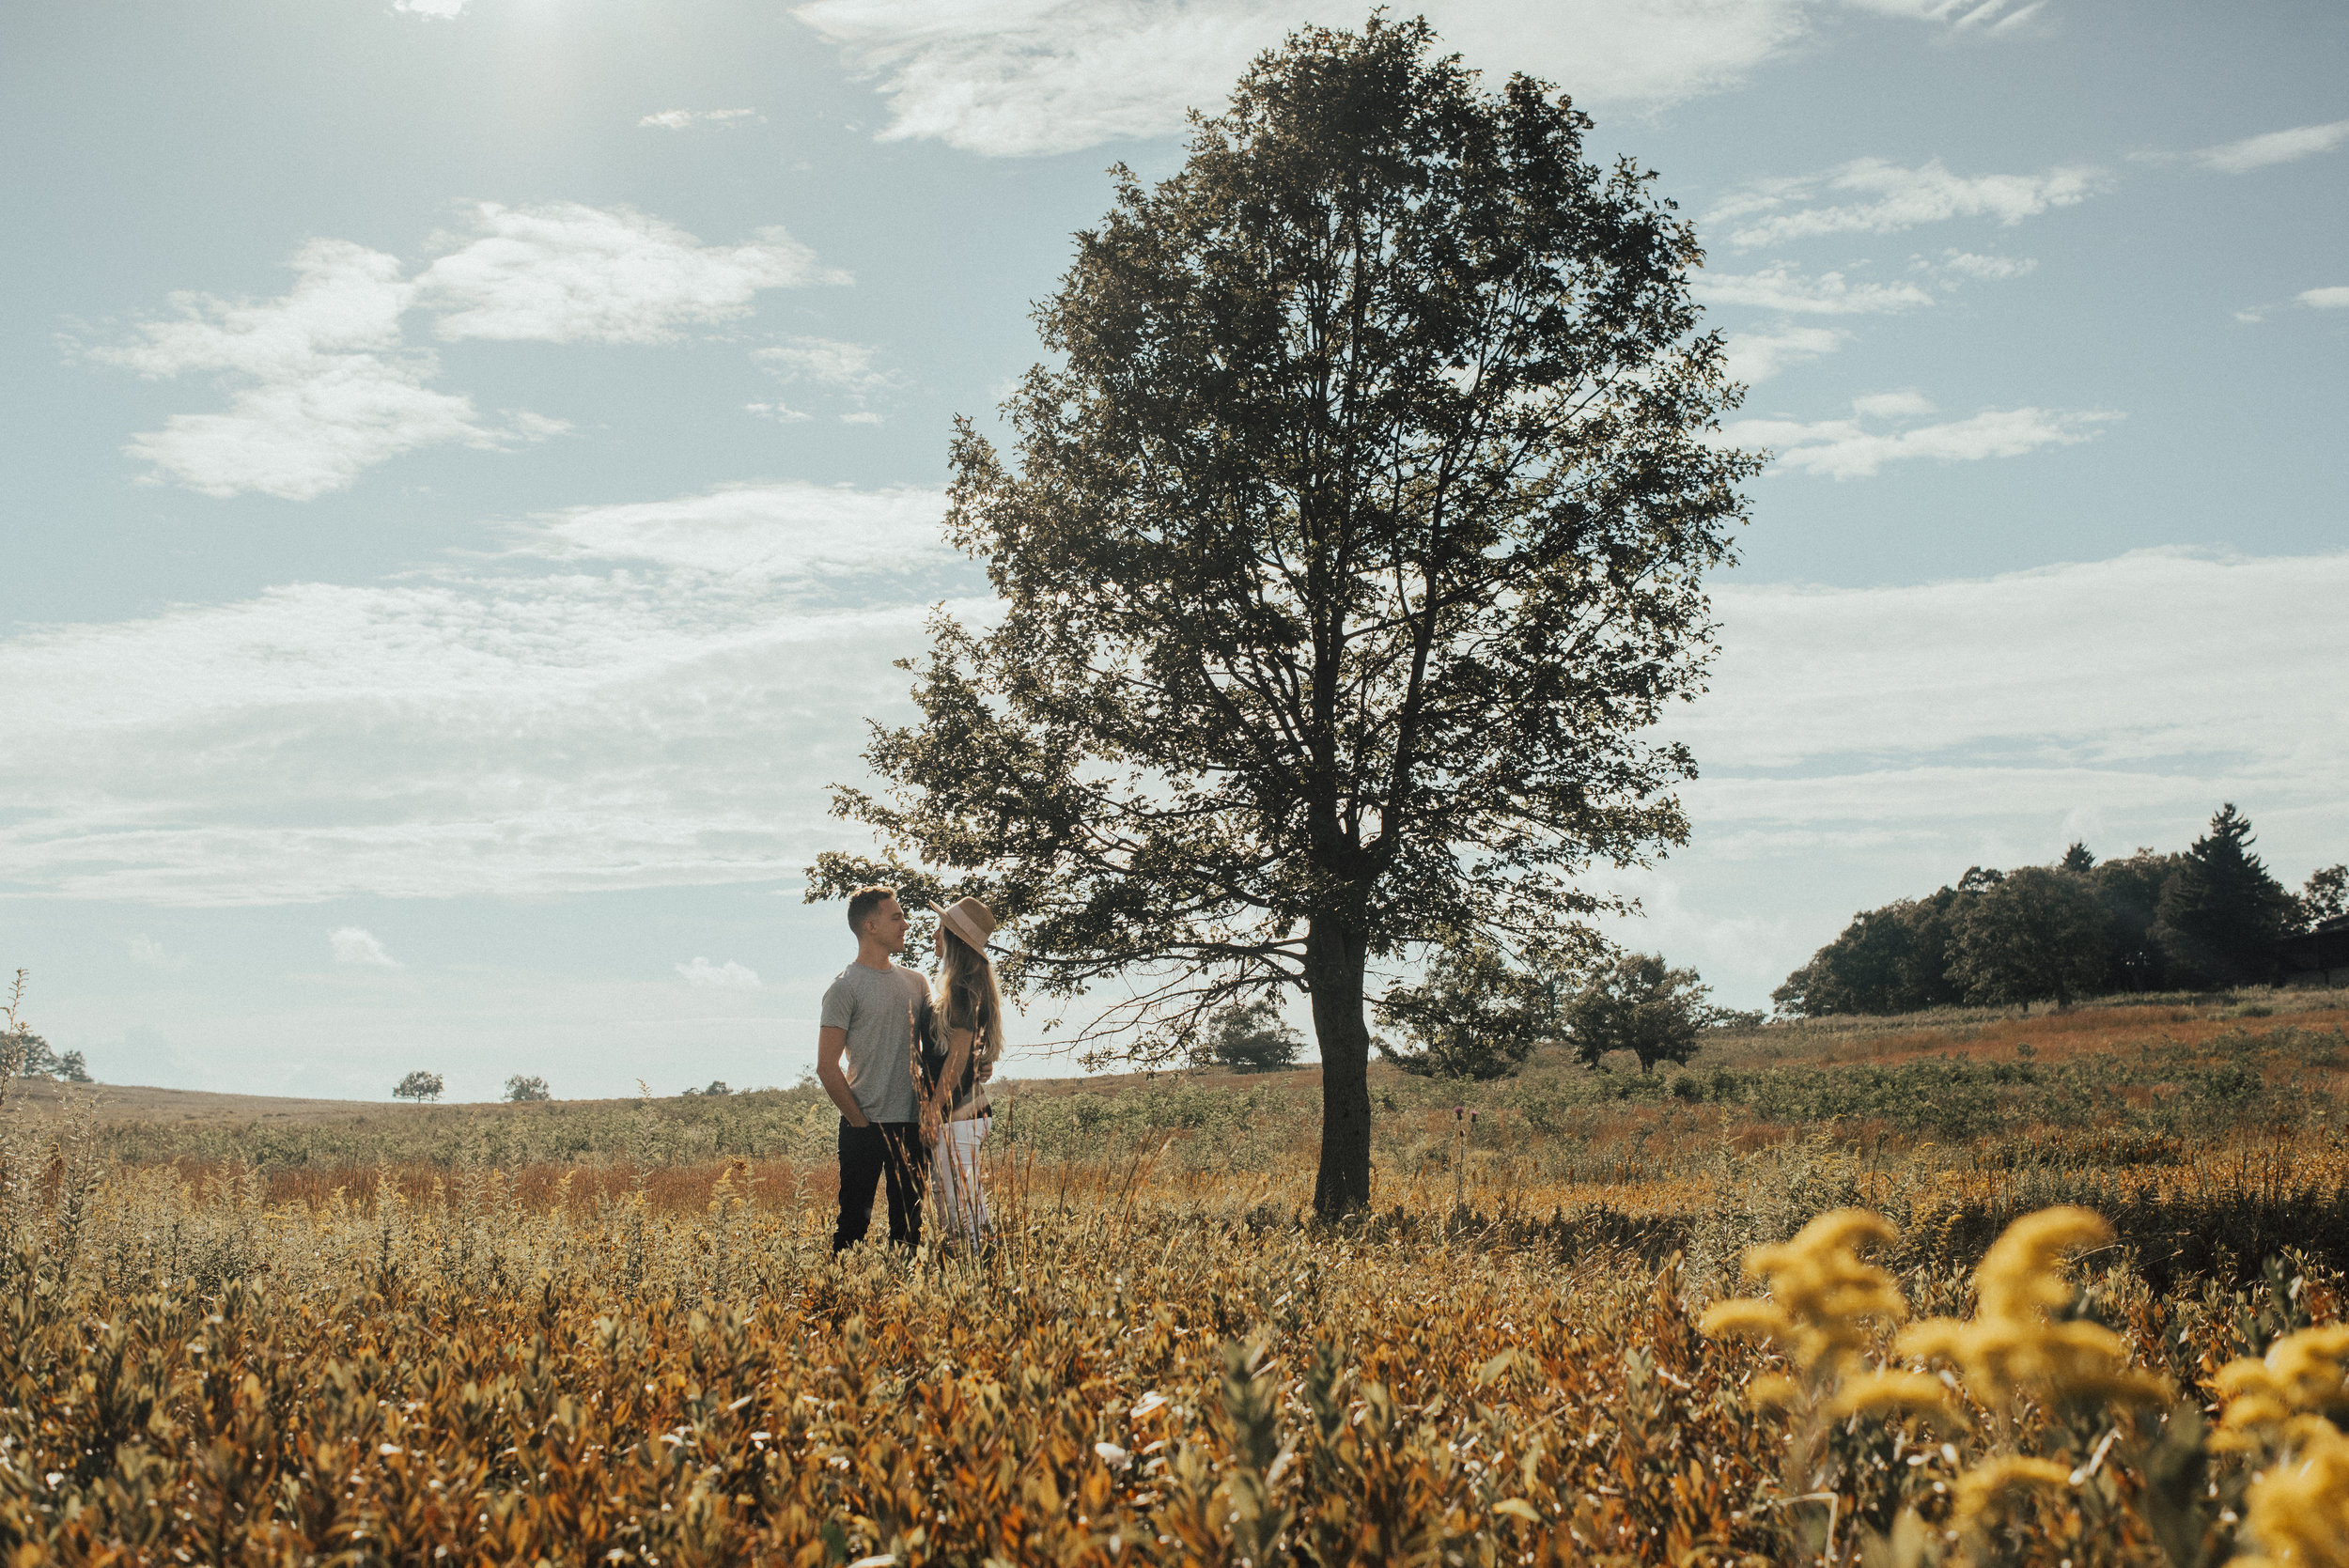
2208,917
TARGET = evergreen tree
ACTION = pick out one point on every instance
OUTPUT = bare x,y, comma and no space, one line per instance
2222,913
2077,858
2037,934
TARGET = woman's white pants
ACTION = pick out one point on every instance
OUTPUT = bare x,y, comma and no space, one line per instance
962,1197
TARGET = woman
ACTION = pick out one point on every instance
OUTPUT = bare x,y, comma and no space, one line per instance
970,1013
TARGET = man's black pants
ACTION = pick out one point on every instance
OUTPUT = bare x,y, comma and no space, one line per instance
888,1153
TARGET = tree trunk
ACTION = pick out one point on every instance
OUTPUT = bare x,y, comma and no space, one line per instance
1334,967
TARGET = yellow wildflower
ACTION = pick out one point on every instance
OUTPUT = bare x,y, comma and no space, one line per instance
1893,1393
2297,1511
1823,1297
1978,1487
2010,1347
2304,1374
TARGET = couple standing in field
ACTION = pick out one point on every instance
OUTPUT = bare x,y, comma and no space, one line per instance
908,1073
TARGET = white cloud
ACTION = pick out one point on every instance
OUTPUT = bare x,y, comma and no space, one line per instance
782,413
147,951
640,695
1890,198
826,362
565,273
862,416
1851,449
1992,16
1780,287
2158,663
728,976
1755,357
1021,77
2274,146
327,391
1890,405
352,945
678,120
1982,268
440,9
2335,298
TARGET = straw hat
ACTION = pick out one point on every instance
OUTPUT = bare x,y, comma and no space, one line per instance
969,918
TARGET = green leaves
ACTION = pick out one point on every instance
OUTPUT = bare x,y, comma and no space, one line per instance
1349,545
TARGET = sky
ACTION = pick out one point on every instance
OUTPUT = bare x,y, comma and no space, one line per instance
471,465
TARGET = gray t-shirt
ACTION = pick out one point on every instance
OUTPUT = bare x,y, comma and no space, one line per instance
875,1007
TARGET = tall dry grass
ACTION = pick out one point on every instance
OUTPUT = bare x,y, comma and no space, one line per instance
650,1355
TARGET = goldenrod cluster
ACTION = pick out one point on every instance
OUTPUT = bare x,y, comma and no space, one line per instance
1823,1302
2302,1384
2012,1347
2290,1404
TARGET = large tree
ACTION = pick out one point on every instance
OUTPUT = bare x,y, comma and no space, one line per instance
1352,542
2038,933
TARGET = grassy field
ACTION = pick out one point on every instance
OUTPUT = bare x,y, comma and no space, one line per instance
253,1331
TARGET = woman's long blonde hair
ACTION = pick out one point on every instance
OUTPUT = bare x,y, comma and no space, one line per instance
966,981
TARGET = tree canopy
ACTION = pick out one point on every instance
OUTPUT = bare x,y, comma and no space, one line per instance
1473,1015
1352,542
418,1085
2146,922
1248,1037
2221,914
2036,934
1641,1004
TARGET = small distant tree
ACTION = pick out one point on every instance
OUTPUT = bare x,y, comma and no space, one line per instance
1640,1005
1247,1037
521,1090
1473,1015
2222,914
34,1058
2077,858
418,1085
718,1086
2036,934
2325,897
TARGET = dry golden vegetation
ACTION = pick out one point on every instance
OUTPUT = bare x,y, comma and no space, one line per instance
614,1333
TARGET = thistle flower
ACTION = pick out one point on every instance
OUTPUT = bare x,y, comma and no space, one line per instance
2010,1347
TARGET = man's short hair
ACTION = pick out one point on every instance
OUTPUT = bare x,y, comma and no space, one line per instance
863,902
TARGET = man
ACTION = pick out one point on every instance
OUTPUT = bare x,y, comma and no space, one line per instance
868,1020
